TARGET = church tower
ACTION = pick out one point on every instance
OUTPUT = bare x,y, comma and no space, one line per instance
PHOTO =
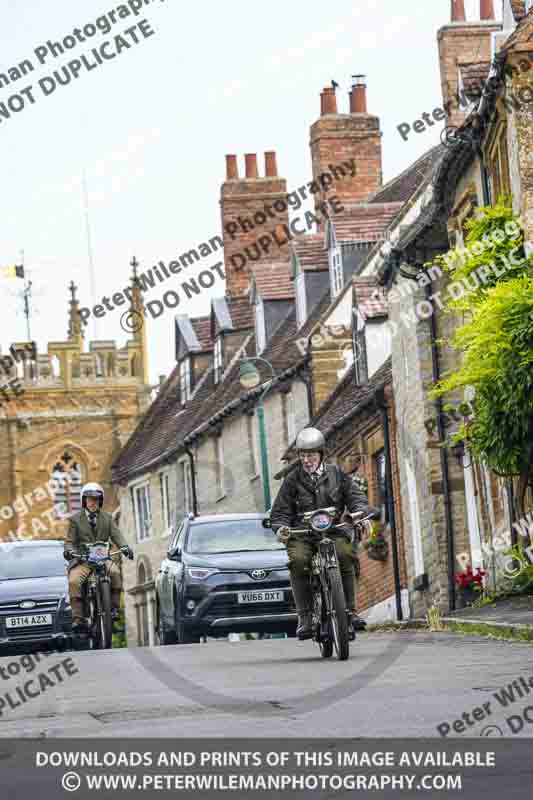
64,417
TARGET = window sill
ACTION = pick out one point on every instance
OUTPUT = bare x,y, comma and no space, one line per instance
255,477
222,497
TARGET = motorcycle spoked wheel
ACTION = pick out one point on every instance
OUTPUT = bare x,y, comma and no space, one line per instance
325,645
105,623
338,621
100,616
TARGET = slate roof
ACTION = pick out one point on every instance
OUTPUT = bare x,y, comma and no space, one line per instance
162,432
403,186
349,399
273,281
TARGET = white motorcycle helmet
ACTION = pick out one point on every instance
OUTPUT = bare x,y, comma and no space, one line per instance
92,490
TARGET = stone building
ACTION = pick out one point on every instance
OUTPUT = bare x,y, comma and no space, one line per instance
454,507
73,412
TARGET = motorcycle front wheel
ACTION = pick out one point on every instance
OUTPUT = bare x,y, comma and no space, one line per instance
325,645
338,617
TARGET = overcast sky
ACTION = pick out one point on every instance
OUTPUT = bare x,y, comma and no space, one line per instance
152,126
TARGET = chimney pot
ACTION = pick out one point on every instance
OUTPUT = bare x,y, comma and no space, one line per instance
458,11
487,9
232,170
328,101
251,165
271,169
358,95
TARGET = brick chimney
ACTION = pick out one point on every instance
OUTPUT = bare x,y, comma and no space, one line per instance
254,212
461,42
487,9
354,137
458,11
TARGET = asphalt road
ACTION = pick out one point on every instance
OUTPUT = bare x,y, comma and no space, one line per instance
395,684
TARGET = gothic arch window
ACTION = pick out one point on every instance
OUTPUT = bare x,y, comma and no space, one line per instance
134,366
68,476
110,364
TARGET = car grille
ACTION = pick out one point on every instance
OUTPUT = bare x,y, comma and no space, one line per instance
48,604
250,587
228,606
35,632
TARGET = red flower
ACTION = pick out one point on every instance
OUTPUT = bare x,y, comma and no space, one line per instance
469,578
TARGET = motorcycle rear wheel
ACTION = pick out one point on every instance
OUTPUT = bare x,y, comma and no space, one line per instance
338,619
104,621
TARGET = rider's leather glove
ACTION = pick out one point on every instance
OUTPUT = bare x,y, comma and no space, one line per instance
127,551
283,534
67,554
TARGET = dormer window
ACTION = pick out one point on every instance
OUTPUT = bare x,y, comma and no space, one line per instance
260,332
335,271
301,299
185,380
218,358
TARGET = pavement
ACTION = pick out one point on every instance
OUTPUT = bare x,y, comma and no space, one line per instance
514,612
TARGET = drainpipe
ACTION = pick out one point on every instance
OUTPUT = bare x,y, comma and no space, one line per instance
193,481
382,405
443,461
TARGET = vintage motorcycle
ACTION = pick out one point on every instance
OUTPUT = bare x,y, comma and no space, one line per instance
330,619
96,593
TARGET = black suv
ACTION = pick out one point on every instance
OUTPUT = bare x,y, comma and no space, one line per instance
224,573
34,598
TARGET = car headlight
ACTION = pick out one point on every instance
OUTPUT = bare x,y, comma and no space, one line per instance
201,573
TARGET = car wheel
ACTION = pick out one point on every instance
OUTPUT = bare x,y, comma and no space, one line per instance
185,636
165,636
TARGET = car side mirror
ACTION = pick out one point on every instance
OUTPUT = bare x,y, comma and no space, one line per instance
174,555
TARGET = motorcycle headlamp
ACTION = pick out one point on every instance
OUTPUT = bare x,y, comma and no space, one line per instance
321,521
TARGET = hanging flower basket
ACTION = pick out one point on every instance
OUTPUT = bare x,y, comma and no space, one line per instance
377,548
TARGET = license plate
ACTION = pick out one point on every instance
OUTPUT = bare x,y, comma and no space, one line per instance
28,622
263,596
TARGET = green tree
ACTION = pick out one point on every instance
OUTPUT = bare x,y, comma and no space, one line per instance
497,346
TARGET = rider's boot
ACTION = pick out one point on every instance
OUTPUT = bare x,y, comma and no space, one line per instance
302,599
305,627
79,624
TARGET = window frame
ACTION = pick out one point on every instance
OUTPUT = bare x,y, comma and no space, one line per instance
219,465
336,270
185,379
301,299
136,491
253,448
218,358
380,478
164,487
260,326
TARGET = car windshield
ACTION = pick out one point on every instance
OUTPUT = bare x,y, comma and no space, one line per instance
31,562
231,536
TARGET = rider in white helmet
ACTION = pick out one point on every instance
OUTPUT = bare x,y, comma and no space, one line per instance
92,524
315,484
